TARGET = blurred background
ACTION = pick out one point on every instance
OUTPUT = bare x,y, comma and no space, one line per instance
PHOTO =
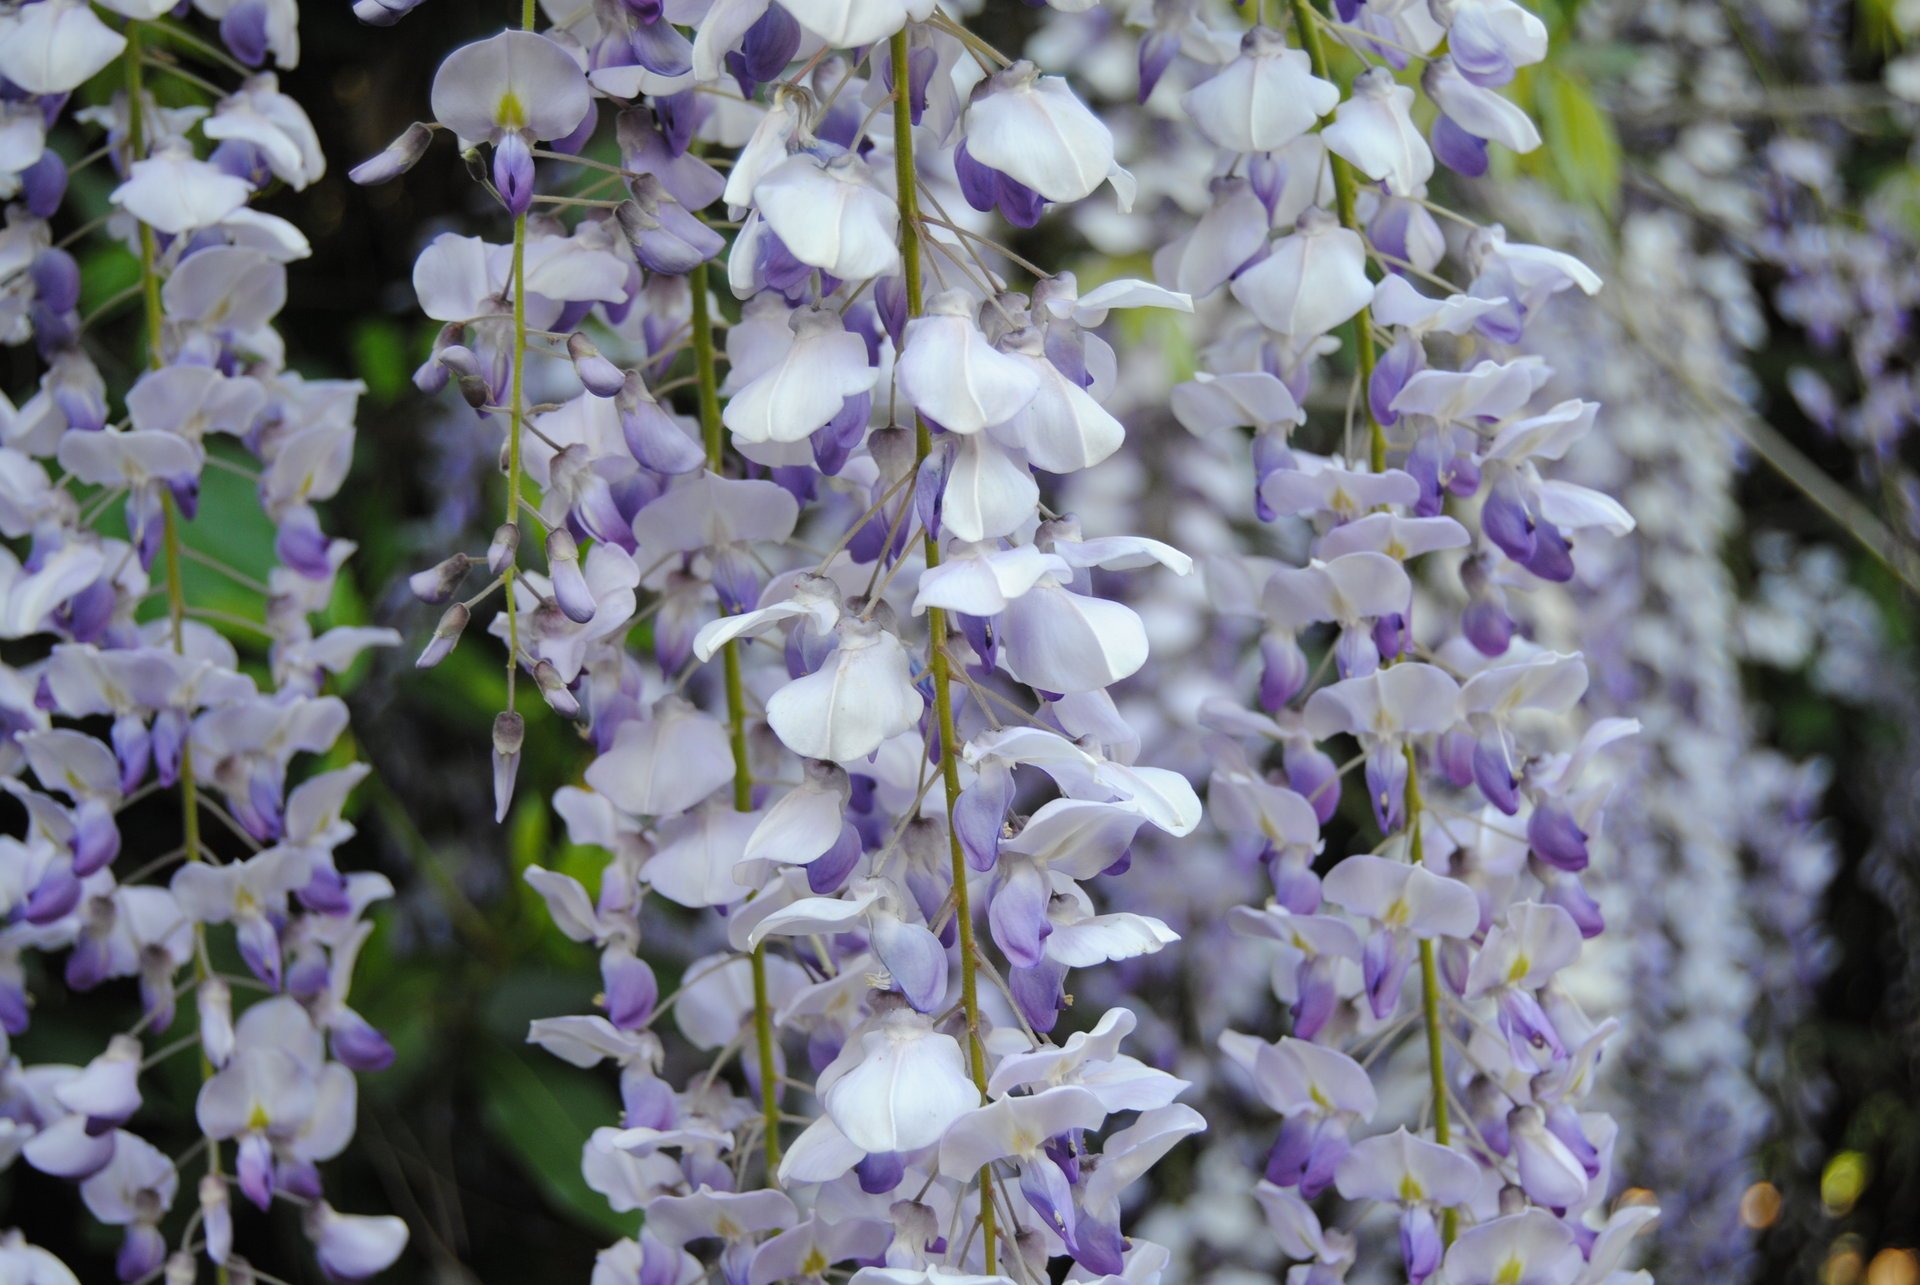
1772,135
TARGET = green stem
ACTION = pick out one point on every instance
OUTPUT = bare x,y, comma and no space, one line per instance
170,532
1430,999
518,421
711,432
938,664
1308,20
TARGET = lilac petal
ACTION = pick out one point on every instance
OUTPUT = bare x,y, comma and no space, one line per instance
254,1166
1397,365
1387,786
513,173
1458,150
54,897
1313,775
978,184
56,279
979,815
1050,1195
631,990
1456,757
95,836
1493,774
1017,914
44,184
1157,50
1420,1244
1487,626
1531,1035
1384,966
1039,993
1556,837
243,29
661,49
880,1172
141,1252
652,436
1552,557
1283,670
358,1045
828,872
915,958
769,45
1505,520
1567,892
259,947
1317,996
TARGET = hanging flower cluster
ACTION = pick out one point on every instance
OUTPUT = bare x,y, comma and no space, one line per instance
1448,938
869,728
237,909
856,798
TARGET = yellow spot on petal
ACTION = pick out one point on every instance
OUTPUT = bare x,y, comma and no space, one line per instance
1512,1272
1522,965
814,1263
510,113
258,1120
1410,1190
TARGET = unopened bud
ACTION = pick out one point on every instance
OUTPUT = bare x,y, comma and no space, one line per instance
601,377
554,690
505,547
216,1216
509,731
401,155
570,589
437,583
214,1001
453,623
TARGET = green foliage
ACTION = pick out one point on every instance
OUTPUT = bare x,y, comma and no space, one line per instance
1581,147
544,1116
380,358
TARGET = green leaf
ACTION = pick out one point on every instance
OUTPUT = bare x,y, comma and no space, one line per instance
1580,140
380,358
545,1117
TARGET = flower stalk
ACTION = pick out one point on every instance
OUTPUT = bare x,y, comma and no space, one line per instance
939,665
1308,19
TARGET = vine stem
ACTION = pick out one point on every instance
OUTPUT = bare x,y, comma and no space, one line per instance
1308,20
132,55
938,664
711,431
1430,999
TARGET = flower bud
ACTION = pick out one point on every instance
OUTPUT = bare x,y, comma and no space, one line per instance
554,690
505,547
509,731
601,377
216,1215
569,585
453,623
401,155
437,583
215,1004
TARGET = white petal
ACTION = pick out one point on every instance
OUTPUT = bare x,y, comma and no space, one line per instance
1061,641
1031,128
989,493
859,697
